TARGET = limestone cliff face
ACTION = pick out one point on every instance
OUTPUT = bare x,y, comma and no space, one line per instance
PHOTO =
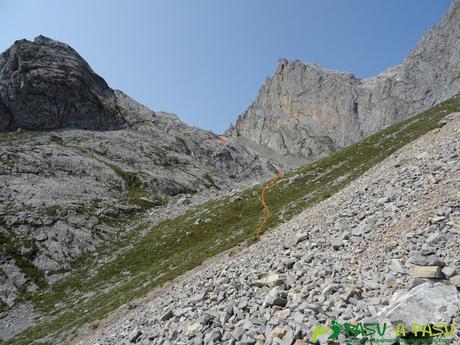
302,109
310,111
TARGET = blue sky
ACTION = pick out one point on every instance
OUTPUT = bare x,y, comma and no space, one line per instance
205,60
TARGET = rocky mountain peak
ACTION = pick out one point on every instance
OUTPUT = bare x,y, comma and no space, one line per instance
45,84
40,39
309,111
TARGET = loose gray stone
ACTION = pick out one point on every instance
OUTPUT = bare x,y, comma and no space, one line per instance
167,315
455,280
337,243
134,335
426,303
448,271
427,272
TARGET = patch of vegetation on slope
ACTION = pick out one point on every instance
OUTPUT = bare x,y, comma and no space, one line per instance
11,245
175,246
8,137
135,193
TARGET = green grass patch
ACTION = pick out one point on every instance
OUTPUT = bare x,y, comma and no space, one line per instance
135,193
210,181
21,135
57,139
23,252
131,179
3,306
147,201
183,144
174,246
52,210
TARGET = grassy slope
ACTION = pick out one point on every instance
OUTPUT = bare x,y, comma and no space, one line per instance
175,246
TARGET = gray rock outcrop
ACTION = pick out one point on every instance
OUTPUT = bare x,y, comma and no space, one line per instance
45,85
426,303
309,111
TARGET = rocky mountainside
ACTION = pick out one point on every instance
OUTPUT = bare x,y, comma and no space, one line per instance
102,199
144,251
79,161
391,254
309,111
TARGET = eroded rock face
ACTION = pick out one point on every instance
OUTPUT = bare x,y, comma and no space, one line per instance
298,99
45,85
310,111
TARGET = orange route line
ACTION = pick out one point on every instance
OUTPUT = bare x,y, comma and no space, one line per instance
269,184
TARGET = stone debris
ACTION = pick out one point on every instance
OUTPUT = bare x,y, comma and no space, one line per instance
426,303
427,272
402,266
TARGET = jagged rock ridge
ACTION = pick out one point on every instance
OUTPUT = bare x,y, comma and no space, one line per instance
309,111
